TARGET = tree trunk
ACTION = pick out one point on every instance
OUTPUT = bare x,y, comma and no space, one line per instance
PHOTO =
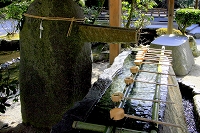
55,70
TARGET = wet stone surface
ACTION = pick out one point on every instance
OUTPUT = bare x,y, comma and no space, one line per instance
131,107
189,108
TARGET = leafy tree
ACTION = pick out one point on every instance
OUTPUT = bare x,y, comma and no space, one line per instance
14,12
134,10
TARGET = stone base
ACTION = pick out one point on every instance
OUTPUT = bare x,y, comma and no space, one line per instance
183,59
174,113
196,99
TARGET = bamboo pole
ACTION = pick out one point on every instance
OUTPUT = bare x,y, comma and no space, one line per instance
100,128
155,107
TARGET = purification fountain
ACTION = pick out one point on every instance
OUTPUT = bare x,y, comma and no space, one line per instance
138,93
55,61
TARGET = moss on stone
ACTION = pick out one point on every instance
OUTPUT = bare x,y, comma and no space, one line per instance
55,70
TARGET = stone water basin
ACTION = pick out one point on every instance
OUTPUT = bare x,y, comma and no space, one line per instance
95,107
133,107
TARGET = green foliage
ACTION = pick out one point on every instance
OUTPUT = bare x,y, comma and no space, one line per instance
187,17
8,87
134,11
92,13
14,12
163,31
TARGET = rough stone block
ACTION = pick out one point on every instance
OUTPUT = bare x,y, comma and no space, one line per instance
196,99
181,52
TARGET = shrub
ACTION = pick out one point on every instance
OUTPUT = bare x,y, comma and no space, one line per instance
14,13
163,31
186,17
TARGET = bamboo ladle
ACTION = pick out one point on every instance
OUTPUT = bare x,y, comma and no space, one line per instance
118,114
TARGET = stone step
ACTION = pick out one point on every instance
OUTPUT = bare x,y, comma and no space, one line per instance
195,32
190,28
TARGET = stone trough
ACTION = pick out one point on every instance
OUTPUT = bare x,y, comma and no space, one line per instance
95,107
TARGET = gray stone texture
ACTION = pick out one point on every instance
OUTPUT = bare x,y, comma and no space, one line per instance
183,59
196,99
174,113
55,70
81,110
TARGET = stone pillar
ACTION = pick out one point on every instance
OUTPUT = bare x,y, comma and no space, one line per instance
183,59
55,70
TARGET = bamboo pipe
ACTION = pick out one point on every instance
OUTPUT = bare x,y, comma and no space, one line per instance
99,128
88,126
118,97
118,114
135,69
130,80
155,107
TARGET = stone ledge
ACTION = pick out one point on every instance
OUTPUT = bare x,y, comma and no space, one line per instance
196,99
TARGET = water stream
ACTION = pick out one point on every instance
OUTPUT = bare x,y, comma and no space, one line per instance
100,114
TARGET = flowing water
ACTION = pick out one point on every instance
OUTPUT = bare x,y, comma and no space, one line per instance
191,118
100,114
